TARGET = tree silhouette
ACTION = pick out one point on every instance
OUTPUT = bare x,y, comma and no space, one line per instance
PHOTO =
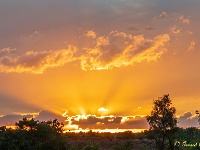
33,135
162,121
26,124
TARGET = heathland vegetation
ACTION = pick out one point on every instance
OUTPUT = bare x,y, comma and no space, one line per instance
48,135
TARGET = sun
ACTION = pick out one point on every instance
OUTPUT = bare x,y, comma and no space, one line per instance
102,109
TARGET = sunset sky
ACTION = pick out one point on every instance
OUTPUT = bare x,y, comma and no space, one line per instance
108,58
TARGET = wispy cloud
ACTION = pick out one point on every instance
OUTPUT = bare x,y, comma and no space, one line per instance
191,45
175,30
184,20
162,15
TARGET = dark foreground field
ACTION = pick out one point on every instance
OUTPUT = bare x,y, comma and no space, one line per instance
47,140
34,135
108,141
188,139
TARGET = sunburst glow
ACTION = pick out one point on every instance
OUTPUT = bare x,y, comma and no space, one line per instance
98,64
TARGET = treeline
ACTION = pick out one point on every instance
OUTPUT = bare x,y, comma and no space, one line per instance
162,135
36,135
32,135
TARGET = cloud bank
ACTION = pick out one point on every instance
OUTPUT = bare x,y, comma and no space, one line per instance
43,115
33,61
95,121
117,49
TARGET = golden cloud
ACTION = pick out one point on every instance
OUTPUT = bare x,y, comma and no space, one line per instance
117,49
91,33
33,61
120,49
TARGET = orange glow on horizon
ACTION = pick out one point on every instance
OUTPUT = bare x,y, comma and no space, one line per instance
105,130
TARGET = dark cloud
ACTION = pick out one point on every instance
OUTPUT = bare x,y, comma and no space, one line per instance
103,122
188,120
11,119
97,122
133,29
149,28
11,104
94,119
127,122
89,121
138,122
45,115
